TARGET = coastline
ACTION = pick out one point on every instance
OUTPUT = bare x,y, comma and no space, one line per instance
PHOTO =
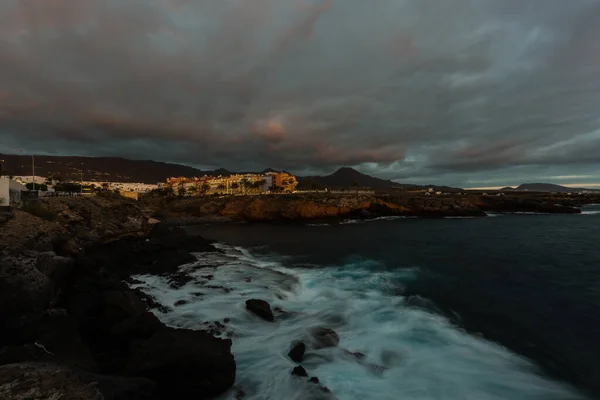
73,327
70,317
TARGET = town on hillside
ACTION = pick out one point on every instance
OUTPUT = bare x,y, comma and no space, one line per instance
269,182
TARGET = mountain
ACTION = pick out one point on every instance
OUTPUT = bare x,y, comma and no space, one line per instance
345,178
114,169
549,187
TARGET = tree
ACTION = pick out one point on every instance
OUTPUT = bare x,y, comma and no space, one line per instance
168,191
205,188
105,186
221,187
43,187
244,183
181,191
235,186
192,190
276,189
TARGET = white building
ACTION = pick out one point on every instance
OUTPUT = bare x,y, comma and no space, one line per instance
10,191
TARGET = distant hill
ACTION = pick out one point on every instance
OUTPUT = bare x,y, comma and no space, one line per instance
345,178
98,168
549,187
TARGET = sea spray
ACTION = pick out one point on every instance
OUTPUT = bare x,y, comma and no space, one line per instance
405,351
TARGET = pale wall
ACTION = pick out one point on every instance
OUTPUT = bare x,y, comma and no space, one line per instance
4,191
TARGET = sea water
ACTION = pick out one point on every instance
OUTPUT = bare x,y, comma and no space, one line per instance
392,346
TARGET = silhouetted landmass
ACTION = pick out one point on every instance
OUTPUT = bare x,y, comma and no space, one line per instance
549,187
113,169
345,178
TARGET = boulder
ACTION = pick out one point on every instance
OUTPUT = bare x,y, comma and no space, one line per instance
260,308
299,371
324,337
297,352
184,363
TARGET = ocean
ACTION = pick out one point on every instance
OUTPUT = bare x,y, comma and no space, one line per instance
503,307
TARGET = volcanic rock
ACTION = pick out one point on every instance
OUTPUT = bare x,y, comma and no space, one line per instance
297,352
260,308
299,371
324,337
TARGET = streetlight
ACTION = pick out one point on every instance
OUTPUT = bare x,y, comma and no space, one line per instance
32,167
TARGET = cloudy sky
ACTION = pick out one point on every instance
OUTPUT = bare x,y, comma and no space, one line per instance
463,92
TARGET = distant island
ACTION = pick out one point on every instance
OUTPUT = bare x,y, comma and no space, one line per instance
546,188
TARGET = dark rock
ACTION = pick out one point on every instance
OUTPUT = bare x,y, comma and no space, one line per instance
357,354
297,352
226,320
180,303
208,277
67,248
247,279
324,337
184,363
299,371
50,381
198,294
314,379
260,308
226,290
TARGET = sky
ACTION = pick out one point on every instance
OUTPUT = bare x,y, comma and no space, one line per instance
470,93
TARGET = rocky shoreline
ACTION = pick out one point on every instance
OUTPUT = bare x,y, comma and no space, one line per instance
73,329
72,326
322,207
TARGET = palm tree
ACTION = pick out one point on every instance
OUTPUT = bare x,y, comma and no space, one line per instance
205,188
221,187
235,186
181,191
244,183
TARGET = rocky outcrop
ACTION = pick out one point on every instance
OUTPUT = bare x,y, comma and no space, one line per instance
26,381
185,364
324,337
297,352
63,301
316,207
260,308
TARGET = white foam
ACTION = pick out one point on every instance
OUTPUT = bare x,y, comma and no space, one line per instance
409,353
590,212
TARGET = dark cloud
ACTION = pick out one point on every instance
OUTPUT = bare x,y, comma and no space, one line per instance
462,92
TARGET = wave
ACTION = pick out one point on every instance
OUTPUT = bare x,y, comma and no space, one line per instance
406,351
367,220
590,212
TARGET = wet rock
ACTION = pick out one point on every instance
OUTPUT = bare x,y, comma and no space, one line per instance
299,371
247,279
180,303
208,277
297,352
226,320
314,379
226,290
184,363
324,337
198,294
260,308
